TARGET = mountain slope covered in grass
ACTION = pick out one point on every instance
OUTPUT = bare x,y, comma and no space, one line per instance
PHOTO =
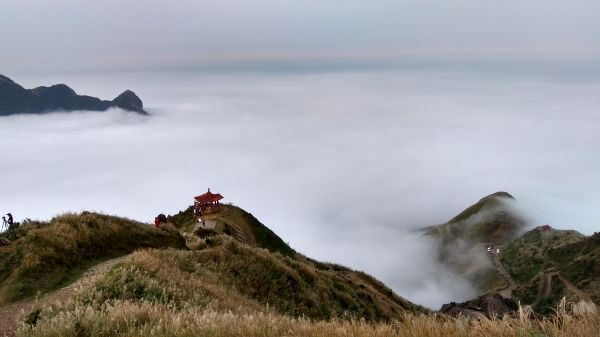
231,289
542,265
46,255
257,234
550,264
218,274
219,286
228,275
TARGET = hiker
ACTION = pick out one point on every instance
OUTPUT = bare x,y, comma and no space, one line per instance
10,219
156,222
4,223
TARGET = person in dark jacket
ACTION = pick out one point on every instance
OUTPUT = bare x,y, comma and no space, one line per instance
10,219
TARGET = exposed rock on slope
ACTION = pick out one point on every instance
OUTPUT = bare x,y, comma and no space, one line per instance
14,99
487,306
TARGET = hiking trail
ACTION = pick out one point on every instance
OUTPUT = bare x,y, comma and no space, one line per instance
11,315
545,288
235,230
512,285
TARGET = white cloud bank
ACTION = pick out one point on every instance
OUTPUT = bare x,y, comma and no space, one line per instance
340,165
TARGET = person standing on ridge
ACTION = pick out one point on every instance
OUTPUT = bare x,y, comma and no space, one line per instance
10,219
4,223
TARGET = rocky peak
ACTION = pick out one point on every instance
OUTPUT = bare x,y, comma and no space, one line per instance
128,100
6,81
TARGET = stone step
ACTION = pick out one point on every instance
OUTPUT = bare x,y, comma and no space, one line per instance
237,232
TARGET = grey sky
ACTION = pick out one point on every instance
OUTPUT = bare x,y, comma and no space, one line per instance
61,34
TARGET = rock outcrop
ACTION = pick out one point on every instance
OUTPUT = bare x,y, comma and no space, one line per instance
128,100
487,306
14,99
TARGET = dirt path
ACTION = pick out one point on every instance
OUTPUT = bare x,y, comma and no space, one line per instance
570,286
545,288
512,285
580,293
11,315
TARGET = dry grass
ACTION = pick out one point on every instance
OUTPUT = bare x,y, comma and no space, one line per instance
228,275
126,318
47,255
229,289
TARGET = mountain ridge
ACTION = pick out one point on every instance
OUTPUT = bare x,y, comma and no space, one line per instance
488,245
14,99
463,240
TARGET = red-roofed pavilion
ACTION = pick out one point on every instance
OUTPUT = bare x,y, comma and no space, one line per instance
207,202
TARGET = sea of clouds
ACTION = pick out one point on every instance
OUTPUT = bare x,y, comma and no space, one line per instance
343,165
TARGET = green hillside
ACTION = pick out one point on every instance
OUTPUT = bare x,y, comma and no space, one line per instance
208,273
219,286
550,264
46,255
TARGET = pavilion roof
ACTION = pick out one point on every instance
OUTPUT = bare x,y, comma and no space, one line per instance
208,197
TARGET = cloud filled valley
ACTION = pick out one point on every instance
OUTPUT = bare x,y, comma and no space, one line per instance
342,165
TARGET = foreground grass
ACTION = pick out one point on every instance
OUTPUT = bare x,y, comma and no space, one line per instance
229,289
125,318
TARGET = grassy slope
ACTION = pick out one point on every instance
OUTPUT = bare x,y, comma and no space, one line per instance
229,275
257,233
231,289
46,255
537,258
580,263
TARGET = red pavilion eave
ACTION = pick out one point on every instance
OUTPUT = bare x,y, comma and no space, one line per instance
208,197
207,203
